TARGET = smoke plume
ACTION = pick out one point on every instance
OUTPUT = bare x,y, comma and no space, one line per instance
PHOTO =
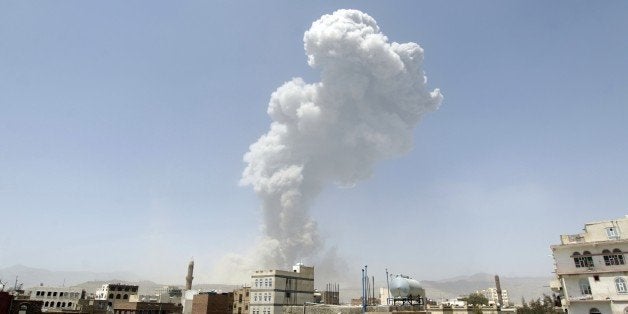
371,95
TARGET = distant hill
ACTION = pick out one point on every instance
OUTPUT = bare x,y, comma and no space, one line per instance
518,287
31,277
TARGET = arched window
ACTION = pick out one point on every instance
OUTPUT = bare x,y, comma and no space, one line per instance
584,260
126,296
594,311
118,296
46,304
111,296
620,285
58,304
69,303
63,304
614,258
620,256
585,288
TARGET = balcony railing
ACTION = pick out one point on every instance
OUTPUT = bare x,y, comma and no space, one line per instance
581,298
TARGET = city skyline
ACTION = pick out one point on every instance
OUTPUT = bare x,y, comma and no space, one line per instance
124,126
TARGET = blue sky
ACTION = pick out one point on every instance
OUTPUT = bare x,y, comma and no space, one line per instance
123,126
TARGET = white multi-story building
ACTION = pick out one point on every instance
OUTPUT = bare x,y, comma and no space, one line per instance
116,291
57,298
591,269
493,297
272,289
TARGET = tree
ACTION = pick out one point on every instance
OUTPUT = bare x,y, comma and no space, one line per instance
546,306
477,299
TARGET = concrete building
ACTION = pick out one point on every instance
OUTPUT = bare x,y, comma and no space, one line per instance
57,298
241,300
171,294
116,292
493,297
591,271
126,307
92,306
187,300
212,303
273,289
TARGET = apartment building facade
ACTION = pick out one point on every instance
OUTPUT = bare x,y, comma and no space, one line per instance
493,297
591,269
241,300
57,298
273,289
116,292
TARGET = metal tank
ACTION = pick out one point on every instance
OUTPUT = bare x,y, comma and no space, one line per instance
403,287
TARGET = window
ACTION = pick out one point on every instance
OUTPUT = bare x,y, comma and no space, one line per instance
594,311
584,260
620,285
270,282
585,288
118,296
614,258
612,233
126,296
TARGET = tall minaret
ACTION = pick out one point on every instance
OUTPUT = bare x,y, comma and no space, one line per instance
188,279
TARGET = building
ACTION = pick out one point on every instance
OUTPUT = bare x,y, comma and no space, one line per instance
92,306
170,294
127,307
57,298
116,292
273,289
493,297
241,300
212,303
18,304
187,299
591,271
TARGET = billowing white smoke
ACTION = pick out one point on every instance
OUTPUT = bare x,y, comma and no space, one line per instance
371,96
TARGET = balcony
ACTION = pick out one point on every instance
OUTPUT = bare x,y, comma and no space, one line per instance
581,298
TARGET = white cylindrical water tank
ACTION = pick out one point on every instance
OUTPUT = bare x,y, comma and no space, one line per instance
404,287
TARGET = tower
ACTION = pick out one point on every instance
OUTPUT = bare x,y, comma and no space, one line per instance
188,279
498,287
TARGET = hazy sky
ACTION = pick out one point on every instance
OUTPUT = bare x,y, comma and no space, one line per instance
123,126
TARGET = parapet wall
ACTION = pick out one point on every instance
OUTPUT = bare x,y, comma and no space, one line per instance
383,309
